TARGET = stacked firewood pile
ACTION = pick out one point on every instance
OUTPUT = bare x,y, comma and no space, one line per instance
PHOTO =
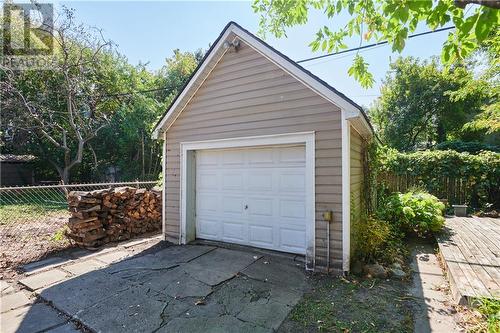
103,216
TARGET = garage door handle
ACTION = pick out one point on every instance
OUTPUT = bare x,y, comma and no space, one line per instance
246,206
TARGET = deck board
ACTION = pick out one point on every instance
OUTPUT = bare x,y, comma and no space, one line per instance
470,248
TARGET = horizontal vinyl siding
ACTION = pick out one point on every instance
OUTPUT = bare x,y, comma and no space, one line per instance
356,181
247,95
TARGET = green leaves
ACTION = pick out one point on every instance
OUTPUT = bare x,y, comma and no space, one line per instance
359,70
390,20
486,21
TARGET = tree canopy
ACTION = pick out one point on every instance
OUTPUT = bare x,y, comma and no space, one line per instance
392,21
421,104
93,112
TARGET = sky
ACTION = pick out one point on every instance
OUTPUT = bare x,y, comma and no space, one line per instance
148,32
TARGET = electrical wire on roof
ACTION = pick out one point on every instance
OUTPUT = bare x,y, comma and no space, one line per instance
373,45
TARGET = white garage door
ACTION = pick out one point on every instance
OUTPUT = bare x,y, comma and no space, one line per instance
253,196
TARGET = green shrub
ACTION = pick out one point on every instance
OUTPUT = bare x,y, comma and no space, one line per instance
413,212
378,241
446,174
472,147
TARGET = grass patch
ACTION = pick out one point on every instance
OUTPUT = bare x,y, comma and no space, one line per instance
23,212
490,315
341,305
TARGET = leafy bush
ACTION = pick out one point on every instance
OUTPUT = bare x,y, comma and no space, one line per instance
472,147
378,241
413,212
477,176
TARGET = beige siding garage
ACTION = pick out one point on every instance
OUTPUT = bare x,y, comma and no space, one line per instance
273,120
356,182
247,95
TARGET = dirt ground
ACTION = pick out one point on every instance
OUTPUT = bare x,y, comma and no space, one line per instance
352,305
29,240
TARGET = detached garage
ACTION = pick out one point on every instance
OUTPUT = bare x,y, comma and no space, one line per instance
258,151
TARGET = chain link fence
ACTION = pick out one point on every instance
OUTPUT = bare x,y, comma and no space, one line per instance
33,219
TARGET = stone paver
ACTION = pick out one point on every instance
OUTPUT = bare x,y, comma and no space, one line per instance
38,266
212,325
13,301
81,292
269,315
30,319
83,267
113,256
273,269
136,309
5,288
219,265
44,279
433,313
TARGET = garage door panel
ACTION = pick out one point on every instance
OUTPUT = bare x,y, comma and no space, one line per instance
208,228
233,231
292,182
260,206
232,157
232,205
293,154
259,180
295,209
261,235
232,181
260,156
208,158
259,198
207,181
292,240
206,203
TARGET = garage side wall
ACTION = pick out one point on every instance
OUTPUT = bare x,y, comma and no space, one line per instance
248,95
356,180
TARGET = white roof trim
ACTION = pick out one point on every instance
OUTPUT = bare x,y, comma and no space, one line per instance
291,68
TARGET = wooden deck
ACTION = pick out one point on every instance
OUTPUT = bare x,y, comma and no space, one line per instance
470,248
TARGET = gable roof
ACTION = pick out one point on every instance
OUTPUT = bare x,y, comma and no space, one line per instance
353,110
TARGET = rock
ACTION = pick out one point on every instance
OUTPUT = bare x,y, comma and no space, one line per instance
398,273
397,265
357,268
375,271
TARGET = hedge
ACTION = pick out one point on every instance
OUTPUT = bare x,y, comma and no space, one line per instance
458,177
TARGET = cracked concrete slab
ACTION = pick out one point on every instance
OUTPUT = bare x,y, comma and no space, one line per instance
81,292
36,318
182,253
270,314
211,325
83,267
179,284
136,309
241,291
158,289
44,279
164,259
66,328
113,256
219,265
273,269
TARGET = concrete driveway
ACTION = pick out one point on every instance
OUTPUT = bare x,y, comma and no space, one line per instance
161,288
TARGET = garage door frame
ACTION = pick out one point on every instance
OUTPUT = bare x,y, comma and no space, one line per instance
188,172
